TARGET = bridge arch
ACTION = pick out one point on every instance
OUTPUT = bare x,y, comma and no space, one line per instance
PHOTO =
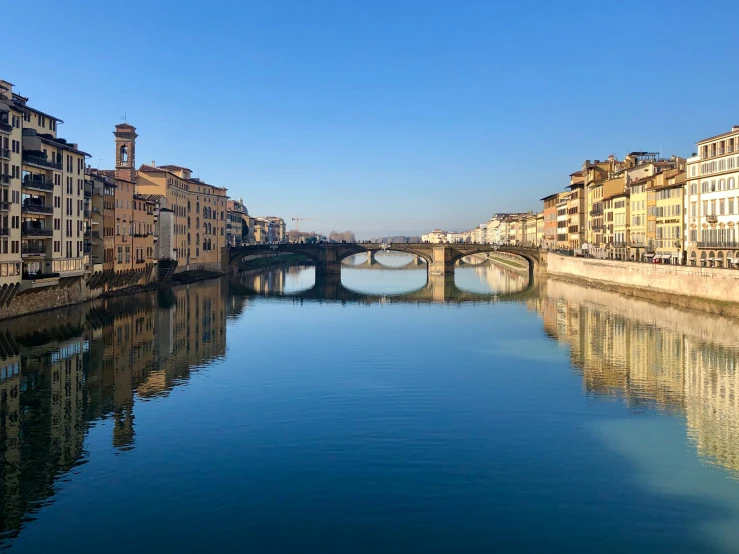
378,248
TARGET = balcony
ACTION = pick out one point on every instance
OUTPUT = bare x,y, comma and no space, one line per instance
87,248
38,184
37,276
35,231
620,244
4,232
5,179
5,126
41,161
713,218
718,244
4,206
5,153
87,214
36,208
33,250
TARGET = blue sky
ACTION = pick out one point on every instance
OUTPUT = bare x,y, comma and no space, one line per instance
380,116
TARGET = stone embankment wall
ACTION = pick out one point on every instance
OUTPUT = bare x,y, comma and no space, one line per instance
672,284
37,300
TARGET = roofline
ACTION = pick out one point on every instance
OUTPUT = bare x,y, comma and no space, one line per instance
716,136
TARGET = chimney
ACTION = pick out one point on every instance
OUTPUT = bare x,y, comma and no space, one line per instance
735,128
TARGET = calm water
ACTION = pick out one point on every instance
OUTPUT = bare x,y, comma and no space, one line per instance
275,414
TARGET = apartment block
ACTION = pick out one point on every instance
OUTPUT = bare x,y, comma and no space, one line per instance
712,202
42,213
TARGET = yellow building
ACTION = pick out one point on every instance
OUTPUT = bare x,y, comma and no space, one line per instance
539,229
199,209
669,218
621,213
576,217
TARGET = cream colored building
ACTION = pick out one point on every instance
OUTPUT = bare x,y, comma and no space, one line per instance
712,202
42,215
436,236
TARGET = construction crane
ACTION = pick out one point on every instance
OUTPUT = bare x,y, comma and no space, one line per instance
297,221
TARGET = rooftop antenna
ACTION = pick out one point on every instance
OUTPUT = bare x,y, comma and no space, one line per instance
100,160
124,117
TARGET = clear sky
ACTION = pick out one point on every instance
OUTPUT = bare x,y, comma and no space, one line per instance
379,116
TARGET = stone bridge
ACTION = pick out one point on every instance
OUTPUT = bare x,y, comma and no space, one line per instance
440,258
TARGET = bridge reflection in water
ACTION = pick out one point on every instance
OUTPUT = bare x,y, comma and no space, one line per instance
480,282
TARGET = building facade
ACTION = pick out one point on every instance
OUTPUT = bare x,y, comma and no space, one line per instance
712,202
42,215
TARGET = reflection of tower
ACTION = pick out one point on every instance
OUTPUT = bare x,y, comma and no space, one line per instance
125,152
123,432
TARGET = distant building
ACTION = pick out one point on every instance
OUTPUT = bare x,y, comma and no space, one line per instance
238,230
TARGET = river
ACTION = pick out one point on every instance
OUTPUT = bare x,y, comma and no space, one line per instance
385,413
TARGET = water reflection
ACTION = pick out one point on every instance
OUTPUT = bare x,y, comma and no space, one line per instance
347,404
359,282
653,356
63,370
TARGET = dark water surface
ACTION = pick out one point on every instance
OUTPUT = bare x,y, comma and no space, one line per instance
276,414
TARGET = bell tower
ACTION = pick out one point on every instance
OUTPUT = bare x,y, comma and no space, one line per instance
125,152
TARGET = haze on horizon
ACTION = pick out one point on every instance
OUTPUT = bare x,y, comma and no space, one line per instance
380,117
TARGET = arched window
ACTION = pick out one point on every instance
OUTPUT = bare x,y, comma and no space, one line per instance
124,154
197,207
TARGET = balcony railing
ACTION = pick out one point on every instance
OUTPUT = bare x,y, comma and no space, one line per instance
41,161
4,206
36,231
33,207
718,244
713,218
620,244
4,232
35,276
4,153
38,184
6,127
5,179
33,250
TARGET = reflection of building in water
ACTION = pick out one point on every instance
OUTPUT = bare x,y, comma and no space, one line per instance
648,354
60,372
712,401
501,280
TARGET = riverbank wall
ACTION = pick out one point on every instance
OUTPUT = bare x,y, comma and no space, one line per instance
70,292
509,261
703,288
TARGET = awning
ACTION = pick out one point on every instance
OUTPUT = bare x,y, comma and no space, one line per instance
649,255
666,256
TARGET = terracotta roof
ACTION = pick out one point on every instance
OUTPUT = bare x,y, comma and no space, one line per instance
150,169
170,166
147,197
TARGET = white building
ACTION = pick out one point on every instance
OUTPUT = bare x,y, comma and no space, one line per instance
712,202
436,236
